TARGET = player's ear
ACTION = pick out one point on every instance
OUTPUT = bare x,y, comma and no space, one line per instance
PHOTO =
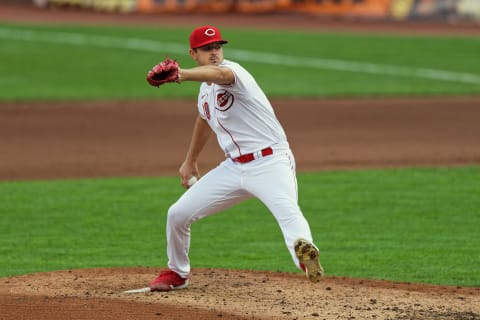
193,54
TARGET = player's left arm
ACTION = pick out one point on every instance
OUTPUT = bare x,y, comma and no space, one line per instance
169,71
208,73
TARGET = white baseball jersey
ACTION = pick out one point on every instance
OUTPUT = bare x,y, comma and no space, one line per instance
240,114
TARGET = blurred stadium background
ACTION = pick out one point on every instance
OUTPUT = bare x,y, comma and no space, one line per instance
450,11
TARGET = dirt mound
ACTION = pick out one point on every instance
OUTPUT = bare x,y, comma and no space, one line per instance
227,294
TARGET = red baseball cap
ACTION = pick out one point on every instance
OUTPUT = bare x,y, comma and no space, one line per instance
204,35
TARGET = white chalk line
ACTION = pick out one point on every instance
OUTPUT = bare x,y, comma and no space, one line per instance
138,44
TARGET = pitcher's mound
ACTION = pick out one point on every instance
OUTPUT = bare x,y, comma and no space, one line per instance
227,294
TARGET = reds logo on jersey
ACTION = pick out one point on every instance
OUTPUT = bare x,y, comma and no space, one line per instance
224,100
206,110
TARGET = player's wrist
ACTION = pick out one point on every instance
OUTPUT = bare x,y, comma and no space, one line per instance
181,77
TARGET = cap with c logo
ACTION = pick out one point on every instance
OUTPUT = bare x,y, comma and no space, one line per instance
205,35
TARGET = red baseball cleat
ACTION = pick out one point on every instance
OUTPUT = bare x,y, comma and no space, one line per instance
167,281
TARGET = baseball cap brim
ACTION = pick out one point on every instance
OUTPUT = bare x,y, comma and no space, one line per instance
206,43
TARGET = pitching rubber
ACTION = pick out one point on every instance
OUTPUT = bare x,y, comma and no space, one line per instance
308,255
141,290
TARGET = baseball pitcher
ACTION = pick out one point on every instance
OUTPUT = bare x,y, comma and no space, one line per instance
258,160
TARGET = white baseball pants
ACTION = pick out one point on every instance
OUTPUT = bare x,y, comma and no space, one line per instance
271,179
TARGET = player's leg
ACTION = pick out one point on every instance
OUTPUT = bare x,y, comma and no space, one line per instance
218,190
273,181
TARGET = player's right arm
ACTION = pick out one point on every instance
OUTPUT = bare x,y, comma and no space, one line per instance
200,136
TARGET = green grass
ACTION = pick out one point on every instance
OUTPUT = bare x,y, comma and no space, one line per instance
45,67
418,225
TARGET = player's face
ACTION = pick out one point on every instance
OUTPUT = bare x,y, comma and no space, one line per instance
211,54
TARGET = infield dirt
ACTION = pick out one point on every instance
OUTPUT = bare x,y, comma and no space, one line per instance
52,140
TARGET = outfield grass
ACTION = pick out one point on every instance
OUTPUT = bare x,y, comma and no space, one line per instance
418,225
85,62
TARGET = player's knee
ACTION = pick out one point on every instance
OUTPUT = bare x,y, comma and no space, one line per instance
177,216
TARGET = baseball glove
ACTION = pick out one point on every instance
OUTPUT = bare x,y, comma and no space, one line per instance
165,71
